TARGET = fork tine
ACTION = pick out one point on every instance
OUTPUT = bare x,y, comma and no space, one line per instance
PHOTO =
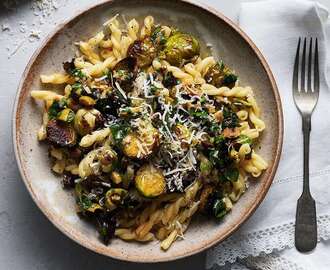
296,69
316,68
303,64
309,74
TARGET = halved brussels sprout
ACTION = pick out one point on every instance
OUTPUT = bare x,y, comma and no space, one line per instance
115,197
144,51
180,48
60,133
150,181
86,120
220,75
140,145
66,115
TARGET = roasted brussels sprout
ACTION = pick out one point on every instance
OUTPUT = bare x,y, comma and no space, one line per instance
87,120
144,51
131,145
220,75
140,148
66,115
60,134
124,72
181,47
150,181
114,198
84,201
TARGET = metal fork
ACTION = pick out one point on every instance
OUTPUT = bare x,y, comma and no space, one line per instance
305,98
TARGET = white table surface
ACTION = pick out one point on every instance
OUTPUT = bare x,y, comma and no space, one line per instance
27,239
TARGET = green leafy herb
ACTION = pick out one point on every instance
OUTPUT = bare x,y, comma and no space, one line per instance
56,107
84,202
243,139
158,37
119,131
231,174
199,114
78,73
230,119
202,100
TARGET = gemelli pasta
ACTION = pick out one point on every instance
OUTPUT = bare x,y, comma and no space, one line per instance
149,133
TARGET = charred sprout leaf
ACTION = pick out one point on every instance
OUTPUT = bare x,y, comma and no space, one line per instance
215,205
68,180
66,115
56,107
60,133
230,119
144,51
124,72
106,226
169,80
108,106
180,48
219,208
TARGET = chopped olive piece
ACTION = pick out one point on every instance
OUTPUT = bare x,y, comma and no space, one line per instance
60,134
150,181
180,48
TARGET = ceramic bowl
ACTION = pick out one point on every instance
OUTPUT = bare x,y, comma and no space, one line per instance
229,43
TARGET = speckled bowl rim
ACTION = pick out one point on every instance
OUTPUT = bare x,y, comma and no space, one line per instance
77,236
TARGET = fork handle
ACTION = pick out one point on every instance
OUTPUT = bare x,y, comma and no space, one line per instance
306,224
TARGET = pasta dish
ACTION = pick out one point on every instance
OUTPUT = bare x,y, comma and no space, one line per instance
149,130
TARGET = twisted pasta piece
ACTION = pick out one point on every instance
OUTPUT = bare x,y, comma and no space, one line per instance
225,91
42,133
45,95
96,136
256,121
55,78
132,30
116,34
180,74
87,48
147,26
191,69
172,210
128,234
203,65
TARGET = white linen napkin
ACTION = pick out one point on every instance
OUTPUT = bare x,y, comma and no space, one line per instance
275,26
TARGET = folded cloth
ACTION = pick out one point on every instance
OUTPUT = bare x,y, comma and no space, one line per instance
275,26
